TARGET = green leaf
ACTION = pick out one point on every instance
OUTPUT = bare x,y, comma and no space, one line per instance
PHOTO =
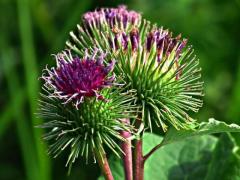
225,162
210,127
183,160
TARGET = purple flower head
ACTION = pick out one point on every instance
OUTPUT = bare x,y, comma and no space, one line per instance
165,43
75,79
119,16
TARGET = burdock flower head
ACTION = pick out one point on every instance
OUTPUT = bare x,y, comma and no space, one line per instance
75,79
160,67
116,23
112,17
94,123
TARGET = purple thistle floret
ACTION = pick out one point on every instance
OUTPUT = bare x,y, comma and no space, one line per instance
75,79
134,37
164,43
124,41
112,16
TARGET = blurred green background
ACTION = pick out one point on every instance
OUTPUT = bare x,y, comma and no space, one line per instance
32,30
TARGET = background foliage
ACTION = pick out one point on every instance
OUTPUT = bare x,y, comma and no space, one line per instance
31,30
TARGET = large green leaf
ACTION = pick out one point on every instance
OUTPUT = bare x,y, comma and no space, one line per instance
183,160
225,163
210,127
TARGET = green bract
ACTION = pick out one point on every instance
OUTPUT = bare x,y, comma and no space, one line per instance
95,125
163,71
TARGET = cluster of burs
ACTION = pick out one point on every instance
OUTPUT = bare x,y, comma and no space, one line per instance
117,66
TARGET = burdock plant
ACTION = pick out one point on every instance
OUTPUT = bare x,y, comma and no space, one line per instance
161,68
120,77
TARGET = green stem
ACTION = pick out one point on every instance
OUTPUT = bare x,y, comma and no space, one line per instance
23,130
151,152
30,67
6,117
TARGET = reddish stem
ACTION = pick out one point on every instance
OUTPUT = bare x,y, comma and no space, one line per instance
105,168
127,149
139,161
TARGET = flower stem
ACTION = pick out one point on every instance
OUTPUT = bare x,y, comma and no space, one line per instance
152,151
139,161
127,149
138,153
103,164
